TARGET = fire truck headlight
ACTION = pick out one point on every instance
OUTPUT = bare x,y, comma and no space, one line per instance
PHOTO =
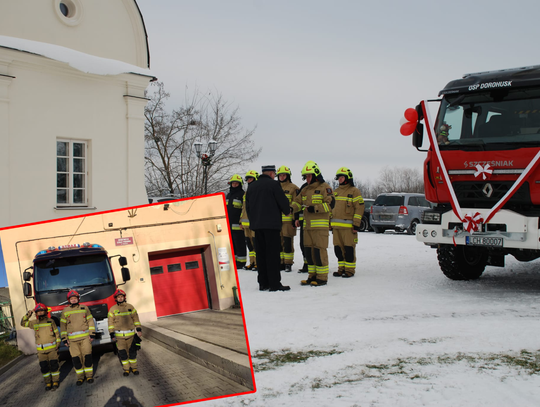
433,233
425,233
431,217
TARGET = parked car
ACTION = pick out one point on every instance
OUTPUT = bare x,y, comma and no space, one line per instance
155,199
398,211
365,223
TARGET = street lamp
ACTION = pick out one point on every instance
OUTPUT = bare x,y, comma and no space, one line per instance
206,159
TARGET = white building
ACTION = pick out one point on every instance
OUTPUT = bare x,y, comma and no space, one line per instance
72,80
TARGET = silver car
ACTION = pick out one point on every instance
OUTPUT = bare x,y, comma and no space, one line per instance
398,211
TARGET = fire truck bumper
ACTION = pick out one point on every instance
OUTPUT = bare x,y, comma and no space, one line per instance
507,229
102,332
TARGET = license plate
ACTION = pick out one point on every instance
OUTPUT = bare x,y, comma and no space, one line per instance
385,217
484,241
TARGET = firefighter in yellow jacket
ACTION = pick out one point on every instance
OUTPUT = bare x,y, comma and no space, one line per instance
77,331
234,200
244,224
317,201
288,228
47,343
125,329
345,222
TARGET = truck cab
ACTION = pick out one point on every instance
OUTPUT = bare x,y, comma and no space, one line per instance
85,268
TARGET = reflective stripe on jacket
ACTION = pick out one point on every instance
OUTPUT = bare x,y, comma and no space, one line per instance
123,318
349,207
45,331
76,322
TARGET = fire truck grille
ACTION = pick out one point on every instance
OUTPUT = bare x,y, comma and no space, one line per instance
99,311
471,194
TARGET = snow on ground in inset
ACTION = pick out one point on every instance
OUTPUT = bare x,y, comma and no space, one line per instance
397,334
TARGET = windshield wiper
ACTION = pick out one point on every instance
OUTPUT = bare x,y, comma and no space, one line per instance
54,290
88,286
481,146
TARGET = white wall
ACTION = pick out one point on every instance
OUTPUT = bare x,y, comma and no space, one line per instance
42,100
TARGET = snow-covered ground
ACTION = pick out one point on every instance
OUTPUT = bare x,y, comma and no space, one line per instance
397,334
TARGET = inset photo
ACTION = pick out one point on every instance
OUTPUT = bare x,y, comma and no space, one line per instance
138,305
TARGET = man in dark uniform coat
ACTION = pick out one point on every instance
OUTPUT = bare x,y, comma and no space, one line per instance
265,202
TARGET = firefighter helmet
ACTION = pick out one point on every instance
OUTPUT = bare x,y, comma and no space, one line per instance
40,307
236,178
344,171
73,293
284,170
311,167
252,174
119,292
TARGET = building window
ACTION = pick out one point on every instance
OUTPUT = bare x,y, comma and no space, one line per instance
70,12
71,173
64,9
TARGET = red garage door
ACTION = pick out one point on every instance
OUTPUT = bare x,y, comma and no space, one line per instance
178,281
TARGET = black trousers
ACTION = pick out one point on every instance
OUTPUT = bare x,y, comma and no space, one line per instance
268,243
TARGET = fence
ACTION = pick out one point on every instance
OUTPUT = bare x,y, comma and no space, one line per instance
6,319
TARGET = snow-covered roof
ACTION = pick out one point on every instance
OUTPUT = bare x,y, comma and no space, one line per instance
76,59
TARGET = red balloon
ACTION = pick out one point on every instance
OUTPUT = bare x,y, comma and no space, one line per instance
411,115
407,128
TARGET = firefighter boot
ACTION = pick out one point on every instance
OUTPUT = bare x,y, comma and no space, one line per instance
126,373
80,382
304,269
318,283
338,273
89,380
288,268
48,387
310,279
135,371
55,385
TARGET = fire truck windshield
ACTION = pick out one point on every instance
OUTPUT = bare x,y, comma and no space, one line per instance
496,120
72,272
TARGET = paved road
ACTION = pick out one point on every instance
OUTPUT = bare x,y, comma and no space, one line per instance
165,378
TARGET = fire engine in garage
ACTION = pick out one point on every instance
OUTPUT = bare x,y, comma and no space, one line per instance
481,170
85,268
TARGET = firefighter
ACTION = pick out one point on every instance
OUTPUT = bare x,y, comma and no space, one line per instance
244,224
316,200
234,200
288,229
345,222
47,343
78,332
125,329
299,223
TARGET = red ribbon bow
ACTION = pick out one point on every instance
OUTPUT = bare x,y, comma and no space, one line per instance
471,222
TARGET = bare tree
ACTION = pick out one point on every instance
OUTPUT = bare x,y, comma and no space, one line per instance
400,180
365,188
172,167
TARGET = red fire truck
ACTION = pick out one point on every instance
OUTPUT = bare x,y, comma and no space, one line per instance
85,268
481,170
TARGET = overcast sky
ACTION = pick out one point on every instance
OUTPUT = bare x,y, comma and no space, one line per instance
329,80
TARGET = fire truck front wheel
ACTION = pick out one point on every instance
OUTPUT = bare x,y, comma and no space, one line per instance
462,262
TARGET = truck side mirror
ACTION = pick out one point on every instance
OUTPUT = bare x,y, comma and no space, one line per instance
27,275
27,290
418,136
125,274
122,260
